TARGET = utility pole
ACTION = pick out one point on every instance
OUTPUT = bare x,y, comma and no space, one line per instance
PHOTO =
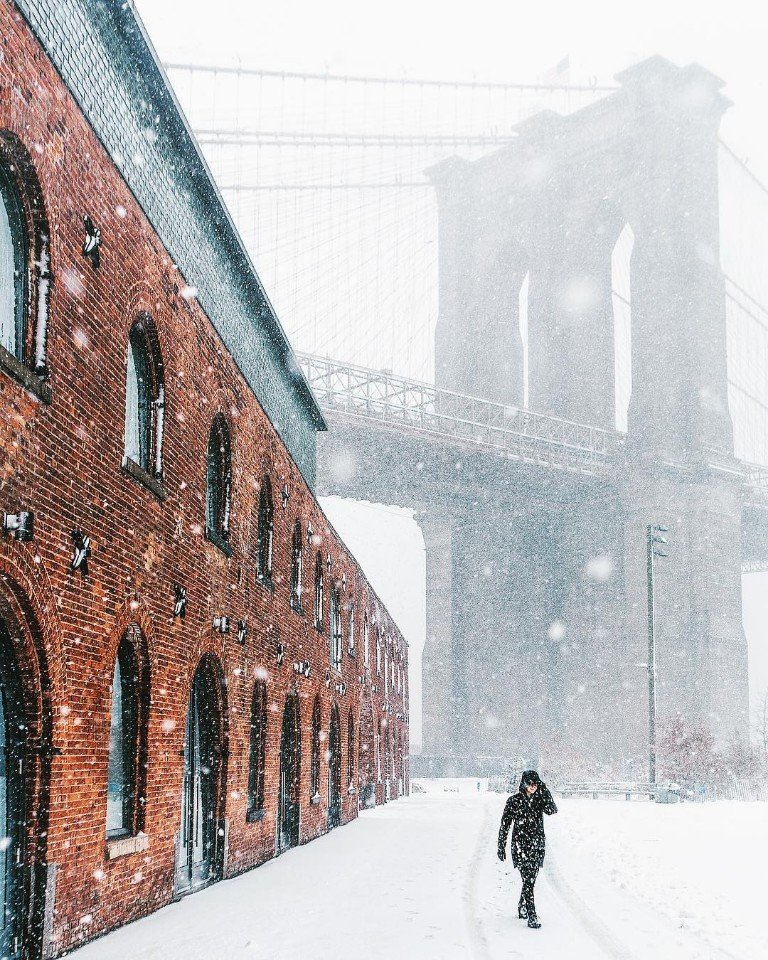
652,537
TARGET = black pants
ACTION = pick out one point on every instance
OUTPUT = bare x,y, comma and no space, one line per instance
529,872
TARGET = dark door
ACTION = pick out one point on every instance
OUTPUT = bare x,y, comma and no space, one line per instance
288,807
195,855
12,728
334,771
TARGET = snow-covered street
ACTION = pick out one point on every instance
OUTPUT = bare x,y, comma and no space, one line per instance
419,879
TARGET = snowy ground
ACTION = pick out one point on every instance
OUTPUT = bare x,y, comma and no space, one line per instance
419,879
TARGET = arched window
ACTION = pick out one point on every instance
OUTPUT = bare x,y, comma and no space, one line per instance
218,484
319,592
13,267
351,630
258,742
350,751
314,771
336,630
296,562
378,652
366,642
127,740
25,268
144,400
265,533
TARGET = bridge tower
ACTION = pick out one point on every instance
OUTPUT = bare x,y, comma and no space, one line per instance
536,609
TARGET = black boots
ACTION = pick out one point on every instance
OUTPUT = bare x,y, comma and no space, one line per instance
522,912
533,922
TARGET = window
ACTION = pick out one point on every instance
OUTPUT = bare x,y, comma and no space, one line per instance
351,631
366,642
25,270
319,590
13,267
296,587
378,751
144,400
265,533
350,750
314,779
123,763
258,741
218,484
336,631
378,652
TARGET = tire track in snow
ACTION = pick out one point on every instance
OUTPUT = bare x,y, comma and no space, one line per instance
478,942
596,929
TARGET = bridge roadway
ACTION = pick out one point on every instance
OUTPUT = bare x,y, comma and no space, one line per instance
398,440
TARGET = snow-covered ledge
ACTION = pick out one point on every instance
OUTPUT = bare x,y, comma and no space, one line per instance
122,846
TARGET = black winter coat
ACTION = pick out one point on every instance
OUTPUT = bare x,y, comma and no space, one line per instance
528,834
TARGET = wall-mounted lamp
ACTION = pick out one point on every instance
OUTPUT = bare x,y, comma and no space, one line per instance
280,653
81,550
179,601
328,678
20,525
92,242
242,631
285,496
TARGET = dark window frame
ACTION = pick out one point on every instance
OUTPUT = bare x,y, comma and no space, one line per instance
265,535
297,561
218,485
257,752
133,740
319,594
314,767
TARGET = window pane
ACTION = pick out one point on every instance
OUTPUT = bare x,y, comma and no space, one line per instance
8,276
116,777
132,428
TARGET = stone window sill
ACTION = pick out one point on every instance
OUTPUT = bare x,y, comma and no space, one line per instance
315,799
253,816
145,479
29,380
297,607
124,846
218,541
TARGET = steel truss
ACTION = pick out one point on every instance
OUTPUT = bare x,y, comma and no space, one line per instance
519,434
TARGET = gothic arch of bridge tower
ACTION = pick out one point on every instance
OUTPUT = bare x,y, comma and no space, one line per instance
535,528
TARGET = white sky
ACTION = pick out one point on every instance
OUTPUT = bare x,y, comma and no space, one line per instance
487,40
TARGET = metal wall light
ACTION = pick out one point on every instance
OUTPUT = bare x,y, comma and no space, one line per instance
328,678
179,601
285,496
81,550
21,525
242,631
280,653
92,242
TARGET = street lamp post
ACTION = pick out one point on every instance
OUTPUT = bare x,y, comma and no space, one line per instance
653,538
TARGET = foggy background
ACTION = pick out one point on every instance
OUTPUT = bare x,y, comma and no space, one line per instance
504,42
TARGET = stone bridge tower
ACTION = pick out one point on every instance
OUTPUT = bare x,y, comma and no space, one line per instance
536,608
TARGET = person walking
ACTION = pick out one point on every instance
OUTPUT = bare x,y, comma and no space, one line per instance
527,808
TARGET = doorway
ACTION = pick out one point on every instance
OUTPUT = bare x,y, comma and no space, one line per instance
334,770
12,728
290,768
196,855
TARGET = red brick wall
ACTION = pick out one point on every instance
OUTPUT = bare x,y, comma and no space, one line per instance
63,461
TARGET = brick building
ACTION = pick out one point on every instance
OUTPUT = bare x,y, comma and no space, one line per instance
195,673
